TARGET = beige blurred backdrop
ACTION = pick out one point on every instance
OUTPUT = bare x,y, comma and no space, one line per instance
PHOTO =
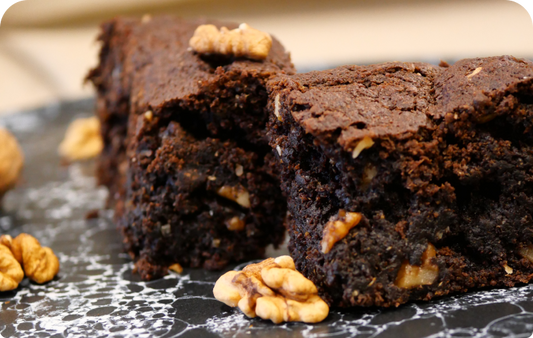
47,46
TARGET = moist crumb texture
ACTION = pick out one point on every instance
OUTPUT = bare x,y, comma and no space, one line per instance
438,161
186,157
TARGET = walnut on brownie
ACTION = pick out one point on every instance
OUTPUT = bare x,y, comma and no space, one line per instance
407,181
186,155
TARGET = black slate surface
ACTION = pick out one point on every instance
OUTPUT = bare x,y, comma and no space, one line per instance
96,293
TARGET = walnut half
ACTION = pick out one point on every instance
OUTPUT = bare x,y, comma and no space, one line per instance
39,263
244,41
82,140
272,289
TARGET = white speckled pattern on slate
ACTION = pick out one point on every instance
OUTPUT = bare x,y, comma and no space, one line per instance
96,293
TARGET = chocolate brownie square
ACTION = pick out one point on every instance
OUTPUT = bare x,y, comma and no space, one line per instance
407,181
187,158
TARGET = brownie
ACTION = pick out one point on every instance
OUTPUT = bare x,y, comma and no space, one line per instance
187,159
407,181
113,104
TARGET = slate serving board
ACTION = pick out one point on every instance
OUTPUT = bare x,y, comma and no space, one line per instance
96,293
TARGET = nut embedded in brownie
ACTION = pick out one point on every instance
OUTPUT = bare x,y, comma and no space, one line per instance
436,161
186,153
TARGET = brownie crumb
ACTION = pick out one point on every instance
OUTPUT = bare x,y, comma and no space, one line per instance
92,214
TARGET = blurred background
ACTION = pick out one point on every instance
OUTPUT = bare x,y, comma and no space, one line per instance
47,46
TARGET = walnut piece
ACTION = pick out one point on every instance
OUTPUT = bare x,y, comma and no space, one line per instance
365,143
368,175
508,269
237,194
82,140
277,107
235,224
11,161
272,289
239,170
149,115
39,263
244,41
11,273
411,276
526,252
176,268
476,71
166,230
337,228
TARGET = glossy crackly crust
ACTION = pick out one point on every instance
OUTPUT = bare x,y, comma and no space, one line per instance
451,165
185,114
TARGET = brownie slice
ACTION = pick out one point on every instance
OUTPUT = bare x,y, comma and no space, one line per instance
190,170
113,104
407,181
199,203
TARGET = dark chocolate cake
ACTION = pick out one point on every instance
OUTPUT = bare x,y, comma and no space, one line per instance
407,181
186,155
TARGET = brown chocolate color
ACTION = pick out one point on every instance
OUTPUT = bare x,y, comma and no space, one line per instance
451,165
172,120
